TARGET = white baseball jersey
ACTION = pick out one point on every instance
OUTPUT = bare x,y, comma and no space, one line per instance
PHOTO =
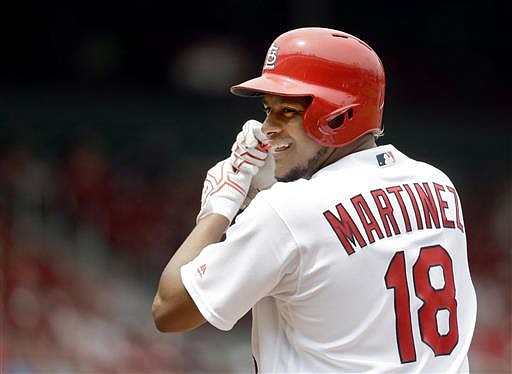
361,268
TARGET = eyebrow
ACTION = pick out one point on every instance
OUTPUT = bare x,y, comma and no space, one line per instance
294,104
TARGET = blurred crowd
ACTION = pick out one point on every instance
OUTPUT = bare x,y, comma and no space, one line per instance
83,240
82,244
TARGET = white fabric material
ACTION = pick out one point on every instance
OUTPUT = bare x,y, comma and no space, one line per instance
225,189
227,184
247,148
315,307
251,147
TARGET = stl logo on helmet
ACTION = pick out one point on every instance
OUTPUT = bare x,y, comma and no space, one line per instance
270,60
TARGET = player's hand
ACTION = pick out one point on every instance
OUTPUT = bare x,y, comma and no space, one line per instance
248,149
261,181
251,149
227,183
225,189
232,183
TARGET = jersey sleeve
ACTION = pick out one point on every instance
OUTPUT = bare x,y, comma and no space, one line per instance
226,279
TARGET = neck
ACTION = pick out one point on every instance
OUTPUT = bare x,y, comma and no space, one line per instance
365,142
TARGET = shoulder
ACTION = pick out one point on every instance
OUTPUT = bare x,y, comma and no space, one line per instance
262,225
285,193
407,166
265,211
271,208
426,170
292,203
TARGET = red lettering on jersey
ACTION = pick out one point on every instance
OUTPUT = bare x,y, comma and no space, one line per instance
345,229
442,207
366,216
429,205
385,210
396,191
457,212
419,222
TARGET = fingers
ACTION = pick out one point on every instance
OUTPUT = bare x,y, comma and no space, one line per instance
242,165
251,136
255,156
252,133
243,156
249,139
227,183
248,169
248,153
258,133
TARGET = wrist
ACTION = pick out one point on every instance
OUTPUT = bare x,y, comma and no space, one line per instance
216,224
220,205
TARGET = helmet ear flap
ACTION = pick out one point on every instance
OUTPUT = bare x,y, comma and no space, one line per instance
329,129
339,119
335,122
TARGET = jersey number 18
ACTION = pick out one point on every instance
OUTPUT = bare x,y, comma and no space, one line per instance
434,300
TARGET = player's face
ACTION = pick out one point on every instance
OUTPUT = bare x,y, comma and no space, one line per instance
296,154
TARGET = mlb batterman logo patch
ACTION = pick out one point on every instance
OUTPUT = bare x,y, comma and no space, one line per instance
385,159
270,60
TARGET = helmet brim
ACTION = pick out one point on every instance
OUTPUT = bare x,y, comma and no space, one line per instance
272,84
276,84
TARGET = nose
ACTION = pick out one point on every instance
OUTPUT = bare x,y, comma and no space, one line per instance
270,128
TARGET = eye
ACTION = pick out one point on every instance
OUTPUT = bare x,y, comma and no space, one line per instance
290,111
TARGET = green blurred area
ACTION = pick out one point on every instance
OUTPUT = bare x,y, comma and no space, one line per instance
169,133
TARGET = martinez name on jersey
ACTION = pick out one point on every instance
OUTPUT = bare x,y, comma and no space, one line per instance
425,214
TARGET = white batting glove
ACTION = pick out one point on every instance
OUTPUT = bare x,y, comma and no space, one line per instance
261,181
251,149
225,189
248,149
232,183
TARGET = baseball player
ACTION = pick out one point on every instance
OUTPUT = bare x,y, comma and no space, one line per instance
351,256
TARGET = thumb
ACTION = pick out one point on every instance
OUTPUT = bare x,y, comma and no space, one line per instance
258,133
252,133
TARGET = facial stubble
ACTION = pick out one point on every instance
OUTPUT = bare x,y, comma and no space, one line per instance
307,170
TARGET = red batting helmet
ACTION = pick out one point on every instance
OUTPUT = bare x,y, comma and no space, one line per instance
342,74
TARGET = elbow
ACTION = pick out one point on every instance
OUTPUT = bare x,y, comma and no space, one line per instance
175,313
160,315
166,316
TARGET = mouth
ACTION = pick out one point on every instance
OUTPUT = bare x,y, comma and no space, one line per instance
280,147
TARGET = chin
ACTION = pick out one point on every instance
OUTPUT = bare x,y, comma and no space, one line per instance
305,170
293,174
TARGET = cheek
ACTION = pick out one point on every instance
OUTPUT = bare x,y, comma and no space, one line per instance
303,151
307,148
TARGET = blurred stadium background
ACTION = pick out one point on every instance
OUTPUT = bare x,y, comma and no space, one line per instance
110,114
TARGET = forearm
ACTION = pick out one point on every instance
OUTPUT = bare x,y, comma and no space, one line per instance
209,230
224,191
173,309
